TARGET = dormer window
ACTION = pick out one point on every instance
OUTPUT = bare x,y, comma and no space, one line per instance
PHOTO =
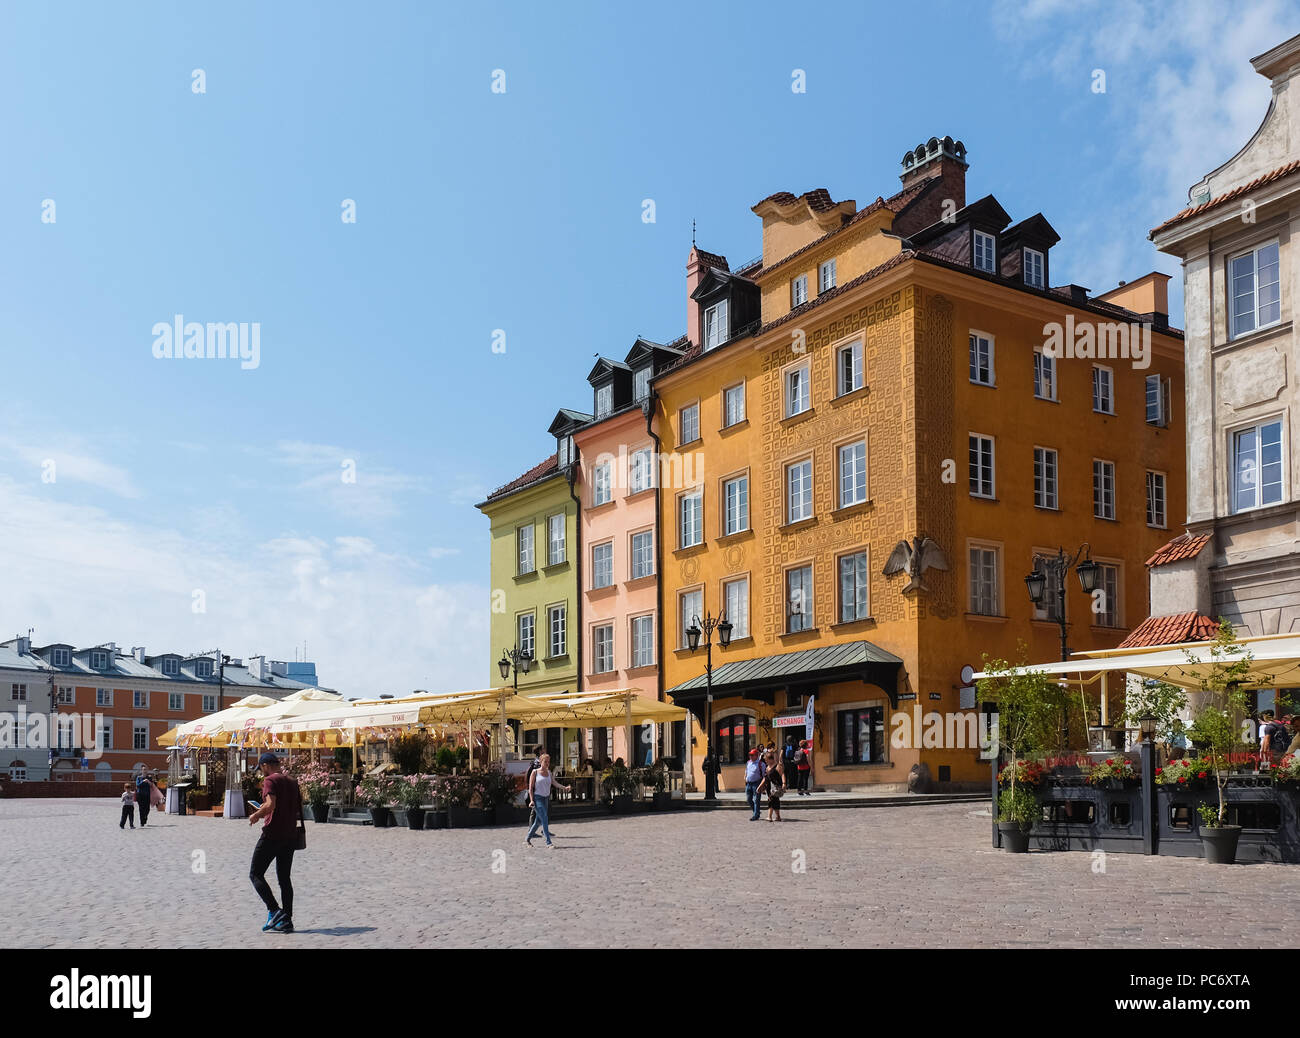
826,276
641,383
203,668
171,667
1033,268
61,657
604,400
984,252
799,291
98,659
715,325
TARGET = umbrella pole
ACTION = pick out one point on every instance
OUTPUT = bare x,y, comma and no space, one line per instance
629,729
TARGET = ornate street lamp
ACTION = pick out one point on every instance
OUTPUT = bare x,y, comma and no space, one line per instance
513,658
1056,566
722,625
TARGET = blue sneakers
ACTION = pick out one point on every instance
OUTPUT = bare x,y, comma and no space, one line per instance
282,924
271,919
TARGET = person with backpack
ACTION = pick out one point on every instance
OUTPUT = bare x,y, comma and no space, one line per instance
282,808
1273,737
803,765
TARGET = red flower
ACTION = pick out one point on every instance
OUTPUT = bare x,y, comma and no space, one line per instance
1201,775
1160,771
1183,779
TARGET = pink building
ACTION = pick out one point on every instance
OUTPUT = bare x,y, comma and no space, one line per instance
618,578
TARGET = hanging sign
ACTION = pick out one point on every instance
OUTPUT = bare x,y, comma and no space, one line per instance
808,719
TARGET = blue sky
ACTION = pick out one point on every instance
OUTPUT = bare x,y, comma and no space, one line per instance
475,211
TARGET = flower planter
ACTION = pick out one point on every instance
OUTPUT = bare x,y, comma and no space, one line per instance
435,819
1014,839
415,818
621,804
661,802
1220,843
465,817
380,817
320,812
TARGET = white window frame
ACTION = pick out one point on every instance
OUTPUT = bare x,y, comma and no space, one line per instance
1046,609
804,387
601,665
1161,395
1157,509
1044,371
978,472
525,549
733,416
857,489
798,291
986,245
697,516
604,399
648,570
557,630
641,383
61,658
171,667
176,701
861,589
739,618
980,359
716,330
209,703
972,585
803,493
739,522
640,470
642,641
1256,325
602,485
104,697
66,695
1113,615
1047,488
557,550
18,692
140,699
98,659
686,614
1256,430
602,558
203,668
1099,475
1098,370
526,643
1035,273
693,410
827,273
140,735
856,373
804,593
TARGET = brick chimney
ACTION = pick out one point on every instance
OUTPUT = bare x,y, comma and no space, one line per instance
939,157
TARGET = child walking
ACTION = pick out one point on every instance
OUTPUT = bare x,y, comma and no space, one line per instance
128,806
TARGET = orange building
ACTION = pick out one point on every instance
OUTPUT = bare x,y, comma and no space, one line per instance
893,414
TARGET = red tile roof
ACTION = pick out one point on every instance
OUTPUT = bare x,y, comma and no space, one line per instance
1182,547
538,471
1171,630
710,259
1228,196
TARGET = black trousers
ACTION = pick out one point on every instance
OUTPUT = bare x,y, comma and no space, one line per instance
280,852
128,815
144,809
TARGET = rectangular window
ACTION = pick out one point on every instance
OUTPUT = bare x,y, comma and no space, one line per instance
799,599
641,383
796,391
690,520
982,483
643,641
1109,584
18,692
735,736
203,668
733,405
1257,466
139,737
1034,268
209,703
524,542
556,539
690,604
171,667
103,697
1044,376
526,630
1103,489
601,485
557,618
826,276
1156,499
140,700
602,649
643,554
848,368
175,700
1103,397
66,695
985,252
564,451
688,422
602,565
981,359
1050,607
799,291
735,494
98,660
604,400
860,735
715,324
984,597
106,735
798,491
854,604
641,476
1045,477
735,602
1255,289
1157,397
61,657
853,473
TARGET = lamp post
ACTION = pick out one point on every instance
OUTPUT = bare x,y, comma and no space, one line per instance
1148,723
722,625
1056,566
511,658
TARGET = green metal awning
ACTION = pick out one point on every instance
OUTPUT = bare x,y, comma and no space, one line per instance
831,663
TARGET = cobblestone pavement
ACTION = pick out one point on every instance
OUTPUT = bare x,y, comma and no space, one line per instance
897,877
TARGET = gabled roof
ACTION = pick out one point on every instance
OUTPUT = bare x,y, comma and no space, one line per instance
985,211
713,280
1171,630
1228,196
1185,546
644,348
1035,227
542,470
566,420
606,366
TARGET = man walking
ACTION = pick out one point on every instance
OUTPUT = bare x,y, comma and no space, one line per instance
753,778
143,796
282,808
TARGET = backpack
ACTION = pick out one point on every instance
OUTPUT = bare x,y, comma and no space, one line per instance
1278,737
800,756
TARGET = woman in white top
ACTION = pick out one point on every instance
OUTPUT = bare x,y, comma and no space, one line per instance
539,799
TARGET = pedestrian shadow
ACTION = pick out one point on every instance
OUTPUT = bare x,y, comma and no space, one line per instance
340,931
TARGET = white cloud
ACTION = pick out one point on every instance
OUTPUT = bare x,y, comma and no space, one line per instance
70,462
443,553
372,623
344,481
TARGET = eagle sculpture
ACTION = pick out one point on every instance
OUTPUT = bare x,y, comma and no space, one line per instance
914,559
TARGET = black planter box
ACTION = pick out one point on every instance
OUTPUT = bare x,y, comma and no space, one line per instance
1089,818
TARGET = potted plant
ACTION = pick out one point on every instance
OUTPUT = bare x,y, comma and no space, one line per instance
1030,705
1187,773
376,793
657,779
412,792
1113,773
317,783
503,797
617,784
1217,728
1287,773
463,796
1027,772
1018,810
